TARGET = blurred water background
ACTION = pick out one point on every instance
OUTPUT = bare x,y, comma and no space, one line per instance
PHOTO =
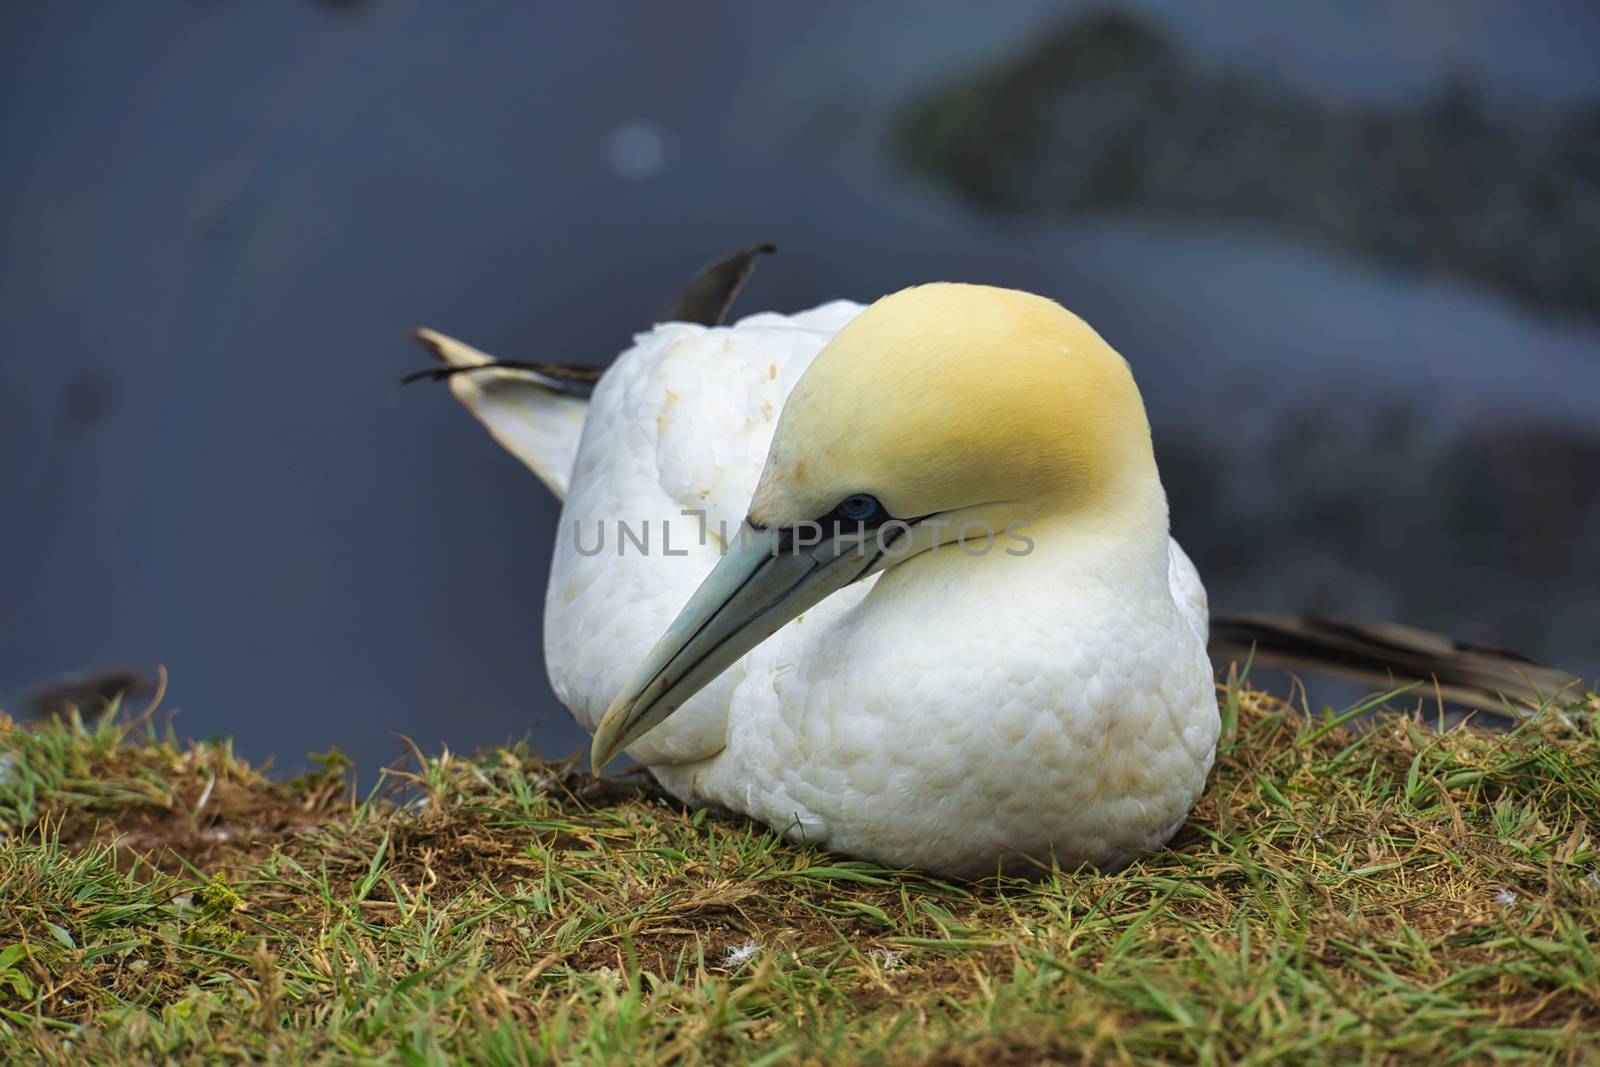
1351,251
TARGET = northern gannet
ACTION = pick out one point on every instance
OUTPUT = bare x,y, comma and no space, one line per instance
960,716
759,589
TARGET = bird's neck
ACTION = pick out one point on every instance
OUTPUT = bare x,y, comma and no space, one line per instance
1121,545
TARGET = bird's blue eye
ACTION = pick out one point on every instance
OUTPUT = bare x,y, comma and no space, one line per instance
861,507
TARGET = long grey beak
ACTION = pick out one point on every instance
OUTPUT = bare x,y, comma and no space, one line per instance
762,582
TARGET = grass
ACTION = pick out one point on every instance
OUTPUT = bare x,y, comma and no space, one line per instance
1387,894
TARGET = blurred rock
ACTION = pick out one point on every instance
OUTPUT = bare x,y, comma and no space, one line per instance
1380,511
89,691
1105,115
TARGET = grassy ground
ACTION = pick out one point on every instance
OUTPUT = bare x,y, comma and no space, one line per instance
1391,895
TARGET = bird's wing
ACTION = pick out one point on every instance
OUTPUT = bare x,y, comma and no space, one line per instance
528,409
1187,590
675,440
1383,653
537,410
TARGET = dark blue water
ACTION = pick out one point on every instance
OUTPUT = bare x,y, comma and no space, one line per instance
220,219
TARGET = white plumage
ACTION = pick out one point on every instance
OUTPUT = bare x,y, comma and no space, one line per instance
957,715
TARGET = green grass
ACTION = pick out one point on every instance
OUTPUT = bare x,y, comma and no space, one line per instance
1388,895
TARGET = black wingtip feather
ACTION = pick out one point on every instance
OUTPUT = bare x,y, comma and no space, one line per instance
709,295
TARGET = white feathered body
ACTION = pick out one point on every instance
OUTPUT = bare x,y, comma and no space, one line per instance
958,714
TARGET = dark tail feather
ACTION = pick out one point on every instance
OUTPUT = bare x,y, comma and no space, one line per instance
709,294
1381,654
568,379
705,300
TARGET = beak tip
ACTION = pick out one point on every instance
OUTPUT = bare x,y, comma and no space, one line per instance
606,737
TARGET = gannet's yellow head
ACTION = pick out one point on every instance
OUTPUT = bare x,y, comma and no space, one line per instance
946,398
937,412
